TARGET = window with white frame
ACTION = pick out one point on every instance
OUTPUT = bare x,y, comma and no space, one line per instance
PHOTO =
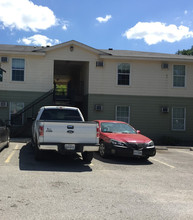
123,113
14,108
179,75
18,67
178,118
123,77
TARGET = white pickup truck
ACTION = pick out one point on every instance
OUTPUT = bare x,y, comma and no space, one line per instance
63,129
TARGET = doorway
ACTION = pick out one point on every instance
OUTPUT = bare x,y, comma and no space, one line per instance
71,82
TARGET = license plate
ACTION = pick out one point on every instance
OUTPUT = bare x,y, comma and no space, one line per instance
69,146
137,152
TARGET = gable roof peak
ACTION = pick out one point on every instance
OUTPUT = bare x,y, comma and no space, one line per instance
74,43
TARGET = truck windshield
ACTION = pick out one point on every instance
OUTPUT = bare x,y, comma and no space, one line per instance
61,115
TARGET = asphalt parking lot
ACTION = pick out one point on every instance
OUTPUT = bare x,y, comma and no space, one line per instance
61,187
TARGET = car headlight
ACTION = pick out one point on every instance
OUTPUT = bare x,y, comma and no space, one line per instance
115,142
150,144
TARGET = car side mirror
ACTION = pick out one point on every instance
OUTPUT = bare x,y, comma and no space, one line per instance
138,132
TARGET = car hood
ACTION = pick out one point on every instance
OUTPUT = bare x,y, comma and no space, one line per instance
134,138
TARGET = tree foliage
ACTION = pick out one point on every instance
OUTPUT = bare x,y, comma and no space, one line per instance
188,52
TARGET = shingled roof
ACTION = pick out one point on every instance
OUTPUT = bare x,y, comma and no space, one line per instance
110,53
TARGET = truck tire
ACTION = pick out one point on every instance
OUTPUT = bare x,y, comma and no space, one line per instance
87,156
38,152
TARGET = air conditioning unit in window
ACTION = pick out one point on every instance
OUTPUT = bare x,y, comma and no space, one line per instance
4,59
165,109
165,66
99,63
3,104
98,107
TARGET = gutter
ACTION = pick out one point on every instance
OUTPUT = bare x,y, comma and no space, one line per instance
23,53
147,58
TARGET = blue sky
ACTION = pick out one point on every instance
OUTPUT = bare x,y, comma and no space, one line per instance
163,26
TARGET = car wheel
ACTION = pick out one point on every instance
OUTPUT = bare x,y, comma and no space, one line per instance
87,156
102,150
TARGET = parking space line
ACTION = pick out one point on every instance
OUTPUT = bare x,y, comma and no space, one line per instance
166,164
12,153
180,151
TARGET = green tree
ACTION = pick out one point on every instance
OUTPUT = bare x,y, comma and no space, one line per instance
188,52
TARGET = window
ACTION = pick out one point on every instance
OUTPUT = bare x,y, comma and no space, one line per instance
61,115
124,74
1,75
123,113
179,75
178,118
14,108
18,66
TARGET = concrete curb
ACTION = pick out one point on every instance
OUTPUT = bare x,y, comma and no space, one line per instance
174,147
20,140
161,148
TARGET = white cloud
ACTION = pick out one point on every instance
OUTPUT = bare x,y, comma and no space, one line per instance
104,20
25,15
155,32
185,12
64,27
38,40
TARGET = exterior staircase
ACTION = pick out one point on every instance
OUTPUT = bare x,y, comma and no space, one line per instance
29,112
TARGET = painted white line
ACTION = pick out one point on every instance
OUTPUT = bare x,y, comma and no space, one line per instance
180,151
166,164
12,153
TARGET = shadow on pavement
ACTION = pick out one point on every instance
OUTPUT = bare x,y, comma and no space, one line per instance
51,161
122,160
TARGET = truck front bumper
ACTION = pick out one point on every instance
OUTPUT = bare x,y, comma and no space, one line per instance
69,147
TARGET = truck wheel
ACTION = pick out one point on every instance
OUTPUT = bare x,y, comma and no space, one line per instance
103,150
87,156
38,153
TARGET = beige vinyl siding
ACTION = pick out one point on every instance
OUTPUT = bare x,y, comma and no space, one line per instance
147,78
146,114
39,70
38,75
78,54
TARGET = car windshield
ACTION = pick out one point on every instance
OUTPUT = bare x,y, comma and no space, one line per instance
110,127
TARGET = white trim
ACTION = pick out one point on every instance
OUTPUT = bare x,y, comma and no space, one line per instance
18,81
173,129
185,76
128,112
125,74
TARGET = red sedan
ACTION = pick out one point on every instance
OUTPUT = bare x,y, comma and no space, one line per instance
119,138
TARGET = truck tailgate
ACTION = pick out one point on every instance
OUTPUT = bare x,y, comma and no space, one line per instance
75,132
